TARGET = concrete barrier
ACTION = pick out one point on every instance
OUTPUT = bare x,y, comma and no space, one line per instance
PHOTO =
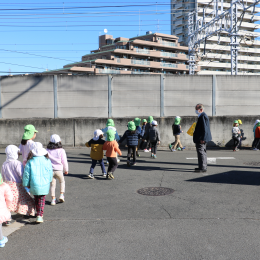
77,131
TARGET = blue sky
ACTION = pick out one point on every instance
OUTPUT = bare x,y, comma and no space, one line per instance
38,35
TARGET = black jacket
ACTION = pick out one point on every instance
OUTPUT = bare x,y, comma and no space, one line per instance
132,138
202,129
153,135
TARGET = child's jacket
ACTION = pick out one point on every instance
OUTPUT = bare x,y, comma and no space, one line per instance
96,152
37,175
132,139
257,132
6,198
153,135
58,159
112,148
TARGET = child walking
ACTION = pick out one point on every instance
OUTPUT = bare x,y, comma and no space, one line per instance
147,128
6,198
111,146
236,135
59,162
144,122
27,141
110,125
137,122
96,153
12,173
154,136
257,136
254,146
132,135
176,128
38,175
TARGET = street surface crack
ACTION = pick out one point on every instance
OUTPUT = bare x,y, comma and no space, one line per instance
167,212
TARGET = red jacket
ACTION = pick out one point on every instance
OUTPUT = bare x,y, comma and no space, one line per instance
257,132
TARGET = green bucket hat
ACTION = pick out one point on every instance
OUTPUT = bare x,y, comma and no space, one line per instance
29,131
144,121
177,120
236,122
137,121
110,122
111,135
1,179
150,119
258,124
131,126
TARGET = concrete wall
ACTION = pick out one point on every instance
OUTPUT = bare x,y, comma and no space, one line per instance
77,131
127,95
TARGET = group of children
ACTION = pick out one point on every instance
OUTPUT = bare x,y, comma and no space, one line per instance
36,176
135,136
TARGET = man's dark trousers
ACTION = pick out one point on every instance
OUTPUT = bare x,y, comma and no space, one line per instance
202,155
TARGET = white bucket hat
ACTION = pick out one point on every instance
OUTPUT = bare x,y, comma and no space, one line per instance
97,133
38,149
55,139
154,122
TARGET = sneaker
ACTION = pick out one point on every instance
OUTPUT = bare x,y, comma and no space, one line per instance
9,222
134,163
90,175
170,147
173,150
154,156
110,175
53,202
150,150
146,151
128,163
151,155
118,160
39,219
255,149
107,162
137,154
61,198
3,241
104,174
178,149
183,148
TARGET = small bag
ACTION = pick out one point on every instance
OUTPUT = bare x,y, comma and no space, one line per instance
192,129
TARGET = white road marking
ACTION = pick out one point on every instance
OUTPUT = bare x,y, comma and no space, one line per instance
222,158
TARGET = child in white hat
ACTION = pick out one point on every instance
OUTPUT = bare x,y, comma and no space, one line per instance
59,163
154,136
96,153
38,176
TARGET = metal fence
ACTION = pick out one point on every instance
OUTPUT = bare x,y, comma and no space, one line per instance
127,95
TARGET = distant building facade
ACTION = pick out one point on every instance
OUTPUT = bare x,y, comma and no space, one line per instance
148,54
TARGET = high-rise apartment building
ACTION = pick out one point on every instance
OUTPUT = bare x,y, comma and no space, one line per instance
147,54
216,59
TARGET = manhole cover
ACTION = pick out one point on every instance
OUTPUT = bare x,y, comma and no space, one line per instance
252,163
155,191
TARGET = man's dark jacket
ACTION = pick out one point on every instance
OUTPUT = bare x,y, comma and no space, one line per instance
202,130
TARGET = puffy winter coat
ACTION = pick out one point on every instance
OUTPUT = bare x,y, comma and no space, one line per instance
153,135
37,175
6,198
132,138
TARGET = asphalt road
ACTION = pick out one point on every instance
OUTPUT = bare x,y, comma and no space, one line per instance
211,216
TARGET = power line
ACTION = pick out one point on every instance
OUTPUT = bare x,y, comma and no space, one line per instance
76,25
21,65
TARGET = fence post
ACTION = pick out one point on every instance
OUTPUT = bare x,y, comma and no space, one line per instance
55,84
162,95
214,86
109,96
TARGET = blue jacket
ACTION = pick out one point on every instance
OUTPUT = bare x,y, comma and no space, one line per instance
132,139
38,175
104,130
202,129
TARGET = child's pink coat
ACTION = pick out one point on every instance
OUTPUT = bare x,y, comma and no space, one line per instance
6,198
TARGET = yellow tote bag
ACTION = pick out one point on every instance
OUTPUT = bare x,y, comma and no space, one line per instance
191,130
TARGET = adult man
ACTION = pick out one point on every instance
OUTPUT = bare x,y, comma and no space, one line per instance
201,136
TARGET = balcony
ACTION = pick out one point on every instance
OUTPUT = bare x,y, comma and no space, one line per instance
142,51
140,62
109,71
168,65
170,44
168,54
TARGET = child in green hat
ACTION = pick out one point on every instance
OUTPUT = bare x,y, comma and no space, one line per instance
132,136
176,129
111,146
27,142
6,198
137,122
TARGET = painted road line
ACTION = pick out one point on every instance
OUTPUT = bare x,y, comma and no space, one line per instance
221,158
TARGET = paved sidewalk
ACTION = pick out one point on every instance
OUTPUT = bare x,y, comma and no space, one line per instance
208,216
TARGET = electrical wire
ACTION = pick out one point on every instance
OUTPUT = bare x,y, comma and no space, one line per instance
21,65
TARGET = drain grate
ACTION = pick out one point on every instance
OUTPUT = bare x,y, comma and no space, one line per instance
252,163
155,191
